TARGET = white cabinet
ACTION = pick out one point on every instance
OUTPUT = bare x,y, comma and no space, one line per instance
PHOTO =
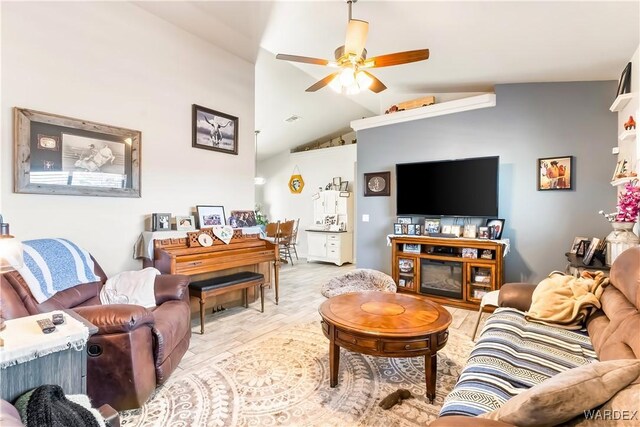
331,237
333,208
330,247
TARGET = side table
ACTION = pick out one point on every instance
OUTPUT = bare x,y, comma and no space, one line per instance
490,299
30,358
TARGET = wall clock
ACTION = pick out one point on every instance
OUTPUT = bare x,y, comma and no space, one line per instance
377,184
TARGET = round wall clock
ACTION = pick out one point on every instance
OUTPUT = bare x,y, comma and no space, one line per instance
377,184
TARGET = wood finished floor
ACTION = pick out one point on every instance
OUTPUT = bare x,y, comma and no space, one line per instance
300,284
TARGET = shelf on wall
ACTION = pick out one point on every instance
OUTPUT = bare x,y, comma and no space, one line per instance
622,181
627,134
621,102
448,107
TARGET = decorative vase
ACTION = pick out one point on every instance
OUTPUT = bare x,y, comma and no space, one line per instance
620,239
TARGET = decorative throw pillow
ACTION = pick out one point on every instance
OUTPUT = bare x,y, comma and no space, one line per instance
568,394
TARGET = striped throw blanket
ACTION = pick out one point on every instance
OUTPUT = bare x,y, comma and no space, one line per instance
53,265
511,356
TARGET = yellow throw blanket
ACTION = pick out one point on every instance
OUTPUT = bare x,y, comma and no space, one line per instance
565,301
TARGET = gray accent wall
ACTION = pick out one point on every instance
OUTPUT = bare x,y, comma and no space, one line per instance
530,121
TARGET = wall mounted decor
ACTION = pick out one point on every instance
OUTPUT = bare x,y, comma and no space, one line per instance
555,173
213,130
296,183
377,184
63,155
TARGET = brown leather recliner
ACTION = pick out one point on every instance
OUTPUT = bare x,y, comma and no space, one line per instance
135,348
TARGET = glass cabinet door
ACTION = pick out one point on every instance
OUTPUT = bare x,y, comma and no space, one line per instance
480,280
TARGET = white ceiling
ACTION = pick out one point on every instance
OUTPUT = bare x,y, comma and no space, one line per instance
473,46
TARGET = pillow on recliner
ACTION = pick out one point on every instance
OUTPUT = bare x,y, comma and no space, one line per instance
568,394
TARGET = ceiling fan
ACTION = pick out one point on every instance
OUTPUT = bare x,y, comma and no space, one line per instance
352,60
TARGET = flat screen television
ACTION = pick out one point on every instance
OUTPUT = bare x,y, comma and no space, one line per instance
466,187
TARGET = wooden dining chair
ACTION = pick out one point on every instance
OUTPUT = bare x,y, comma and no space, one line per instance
272,229
284,239
294,238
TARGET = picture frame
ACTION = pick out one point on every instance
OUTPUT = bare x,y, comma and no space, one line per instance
576,244
432,225
210,215
621,170
161,222
404,220
402,283
405,265
470,253
496,227
48,142
411,229
419,229
483,232
56,154
377,184
214,130
588,256
240,219
555,173
411,248
397,228
344,186
624,84
583,247
185,223
470,231
446,229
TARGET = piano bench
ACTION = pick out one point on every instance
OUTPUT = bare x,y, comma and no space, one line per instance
223,284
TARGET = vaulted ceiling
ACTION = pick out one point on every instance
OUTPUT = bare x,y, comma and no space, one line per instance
473,46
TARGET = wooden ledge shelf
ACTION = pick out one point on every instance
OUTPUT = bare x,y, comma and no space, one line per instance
449,107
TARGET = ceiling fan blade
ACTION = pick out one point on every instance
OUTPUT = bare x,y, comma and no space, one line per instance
376,86
356,36
305,59
322,83
397,58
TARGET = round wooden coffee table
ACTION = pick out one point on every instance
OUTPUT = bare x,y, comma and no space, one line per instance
385,324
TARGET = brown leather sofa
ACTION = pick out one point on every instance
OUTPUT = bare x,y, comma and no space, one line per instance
135,348
613,330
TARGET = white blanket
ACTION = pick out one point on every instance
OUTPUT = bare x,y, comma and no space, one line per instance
131,287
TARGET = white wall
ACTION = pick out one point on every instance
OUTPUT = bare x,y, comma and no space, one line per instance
317,168
114,63
630,148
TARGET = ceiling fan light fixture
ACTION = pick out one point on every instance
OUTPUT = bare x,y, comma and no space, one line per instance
335,84
347,77
363,80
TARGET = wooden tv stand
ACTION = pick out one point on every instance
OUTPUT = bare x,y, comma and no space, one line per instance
447,277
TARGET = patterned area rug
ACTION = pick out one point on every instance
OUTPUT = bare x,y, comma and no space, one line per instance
283,379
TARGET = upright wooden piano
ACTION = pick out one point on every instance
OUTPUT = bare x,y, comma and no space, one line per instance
245,252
